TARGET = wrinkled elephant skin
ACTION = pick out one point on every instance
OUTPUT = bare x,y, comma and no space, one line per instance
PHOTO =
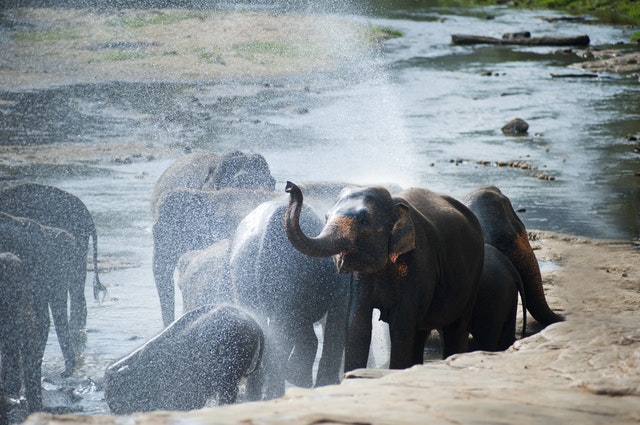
198,201
54,207
36,263
290,292
505,231
493,322
204,353
417,256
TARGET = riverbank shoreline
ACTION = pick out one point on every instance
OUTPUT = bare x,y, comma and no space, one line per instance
584,370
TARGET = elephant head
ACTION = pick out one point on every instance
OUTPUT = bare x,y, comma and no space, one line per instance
503,229
242,171
365,229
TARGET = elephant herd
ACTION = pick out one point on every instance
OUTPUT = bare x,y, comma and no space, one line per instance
44,236
259,270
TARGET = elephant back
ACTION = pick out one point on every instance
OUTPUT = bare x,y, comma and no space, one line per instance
49,206
503,229
269,274
211,172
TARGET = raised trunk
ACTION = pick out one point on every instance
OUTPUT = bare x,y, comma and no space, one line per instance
324,245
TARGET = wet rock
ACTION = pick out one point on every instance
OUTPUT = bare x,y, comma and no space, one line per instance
515,127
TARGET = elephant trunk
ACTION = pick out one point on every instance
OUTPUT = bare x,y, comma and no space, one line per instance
324,245
526,263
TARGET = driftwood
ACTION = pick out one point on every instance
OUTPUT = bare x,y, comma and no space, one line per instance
581,40
574,75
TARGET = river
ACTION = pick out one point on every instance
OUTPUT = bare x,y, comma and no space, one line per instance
419,111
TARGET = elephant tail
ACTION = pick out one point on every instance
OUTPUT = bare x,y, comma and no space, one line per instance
98,287
523,301
524,260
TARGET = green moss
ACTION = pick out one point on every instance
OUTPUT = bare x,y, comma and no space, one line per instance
45,36
635,37
125,56
251,49
384,33
208,56
615,12
144,20
610,11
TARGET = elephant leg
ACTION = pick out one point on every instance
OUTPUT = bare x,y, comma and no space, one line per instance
38,328
404,340
455,338
358,334
77,278
10,349
277,350
418,346
77,301
228,387
508,334
163,266
58,304
333,342
300,363
255,383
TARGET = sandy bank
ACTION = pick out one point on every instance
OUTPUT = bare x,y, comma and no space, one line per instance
44,46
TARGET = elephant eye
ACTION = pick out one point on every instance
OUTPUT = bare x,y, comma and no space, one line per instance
364,221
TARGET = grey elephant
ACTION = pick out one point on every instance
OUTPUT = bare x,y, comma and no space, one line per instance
203,276
493,321
198,201
289,292
55,207
204,353
36,266
416,256
503,230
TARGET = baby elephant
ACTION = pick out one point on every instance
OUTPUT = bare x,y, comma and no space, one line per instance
493,322
206,352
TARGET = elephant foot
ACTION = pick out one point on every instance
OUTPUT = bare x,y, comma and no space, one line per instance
68,369
321,381
79,339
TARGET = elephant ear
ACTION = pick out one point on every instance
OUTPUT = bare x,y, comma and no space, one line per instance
403,234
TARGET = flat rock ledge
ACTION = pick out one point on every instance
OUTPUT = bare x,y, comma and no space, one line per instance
585,370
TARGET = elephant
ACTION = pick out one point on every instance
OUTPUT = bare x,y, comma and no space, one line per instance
36,264
503,230
288,292
198,201
204,353
203,276
493,321
55,207
417,256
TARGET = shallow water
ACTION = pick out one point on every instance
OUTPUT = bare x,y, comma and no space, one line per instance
418,112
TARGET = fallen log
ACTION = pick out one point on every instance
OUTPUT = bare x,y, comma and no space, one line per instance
580,40
553,75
